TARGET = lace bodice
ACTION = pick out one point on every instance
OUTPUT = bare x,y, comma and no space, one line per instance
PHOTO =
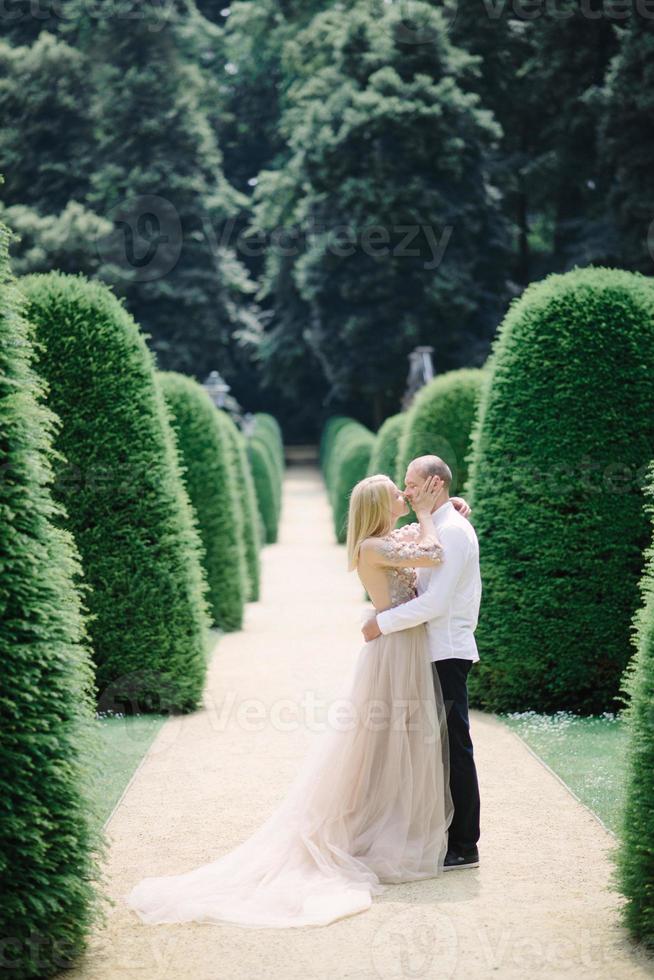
403,543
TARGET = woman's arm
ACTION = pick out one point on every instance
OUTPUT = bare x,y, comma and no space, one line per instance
402,554
422,550
435,600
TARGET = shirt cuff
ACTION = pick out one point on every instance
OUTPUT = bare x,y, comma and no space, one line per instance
382,620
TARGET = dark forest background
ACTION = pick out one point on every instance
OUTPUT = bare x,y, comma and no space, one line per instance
297,193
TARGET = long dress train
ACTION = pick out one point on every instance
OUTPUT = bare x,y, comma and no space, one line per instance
369,806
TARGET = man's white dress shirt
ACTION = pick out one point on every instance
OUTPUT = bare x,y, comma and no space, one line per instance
449,594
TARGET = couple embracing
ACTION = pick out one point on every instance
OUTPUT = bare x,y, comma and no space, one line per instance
390,795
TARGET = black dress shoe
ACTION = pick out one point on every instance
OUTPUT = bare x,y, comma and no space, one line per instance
454,859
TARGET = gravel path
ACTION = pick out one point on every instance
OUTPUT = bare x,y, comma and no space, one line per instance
539,905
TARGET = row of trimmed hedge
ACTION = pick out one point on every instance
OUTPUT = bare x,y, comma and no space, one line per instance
119,480
160,495
129,525
345,451
214,479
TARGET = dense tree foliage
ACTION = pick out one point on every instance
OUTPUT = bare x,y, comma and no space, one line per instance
628,144
559,448
274,187
552,179
384,201
139,167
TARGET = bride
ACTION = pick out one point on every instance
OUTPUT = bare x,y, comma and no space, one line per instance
370,805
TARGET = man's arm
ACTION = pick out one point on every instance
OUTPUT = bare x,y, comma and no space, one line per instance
436,598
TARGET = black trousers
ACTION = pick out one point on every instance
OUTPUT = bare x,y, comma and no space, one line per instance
452,674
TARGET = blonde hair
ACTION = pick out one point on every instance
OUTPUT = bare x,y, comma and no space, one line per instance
369,514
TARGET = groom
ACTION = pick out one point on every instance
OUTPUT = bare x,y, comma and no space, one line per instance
448,601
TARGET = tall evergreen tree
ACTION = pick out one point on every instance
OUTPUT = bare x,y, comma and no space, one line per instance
244,100
246,115
568,188
135,192
385,201
159,177
628,143
551,176
251,94
44,94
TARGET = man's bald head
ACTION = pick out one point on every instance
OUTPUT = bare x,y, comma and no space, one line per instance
426,466
420,469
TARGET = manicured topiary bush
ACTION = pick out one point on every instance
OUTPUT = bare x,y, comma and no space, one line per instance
276,470
267,427
204,442
565,429
348,463
341,431
384,452
352,467
329,434
265,485
247,499
439,421
51,847
635,855
123,491
267,432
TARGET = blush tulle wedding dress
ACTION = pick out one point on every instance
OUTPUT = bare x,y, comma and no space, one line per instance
370,805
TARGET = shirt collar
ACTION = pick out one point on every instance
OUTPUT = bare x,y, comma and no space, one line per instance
442,513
